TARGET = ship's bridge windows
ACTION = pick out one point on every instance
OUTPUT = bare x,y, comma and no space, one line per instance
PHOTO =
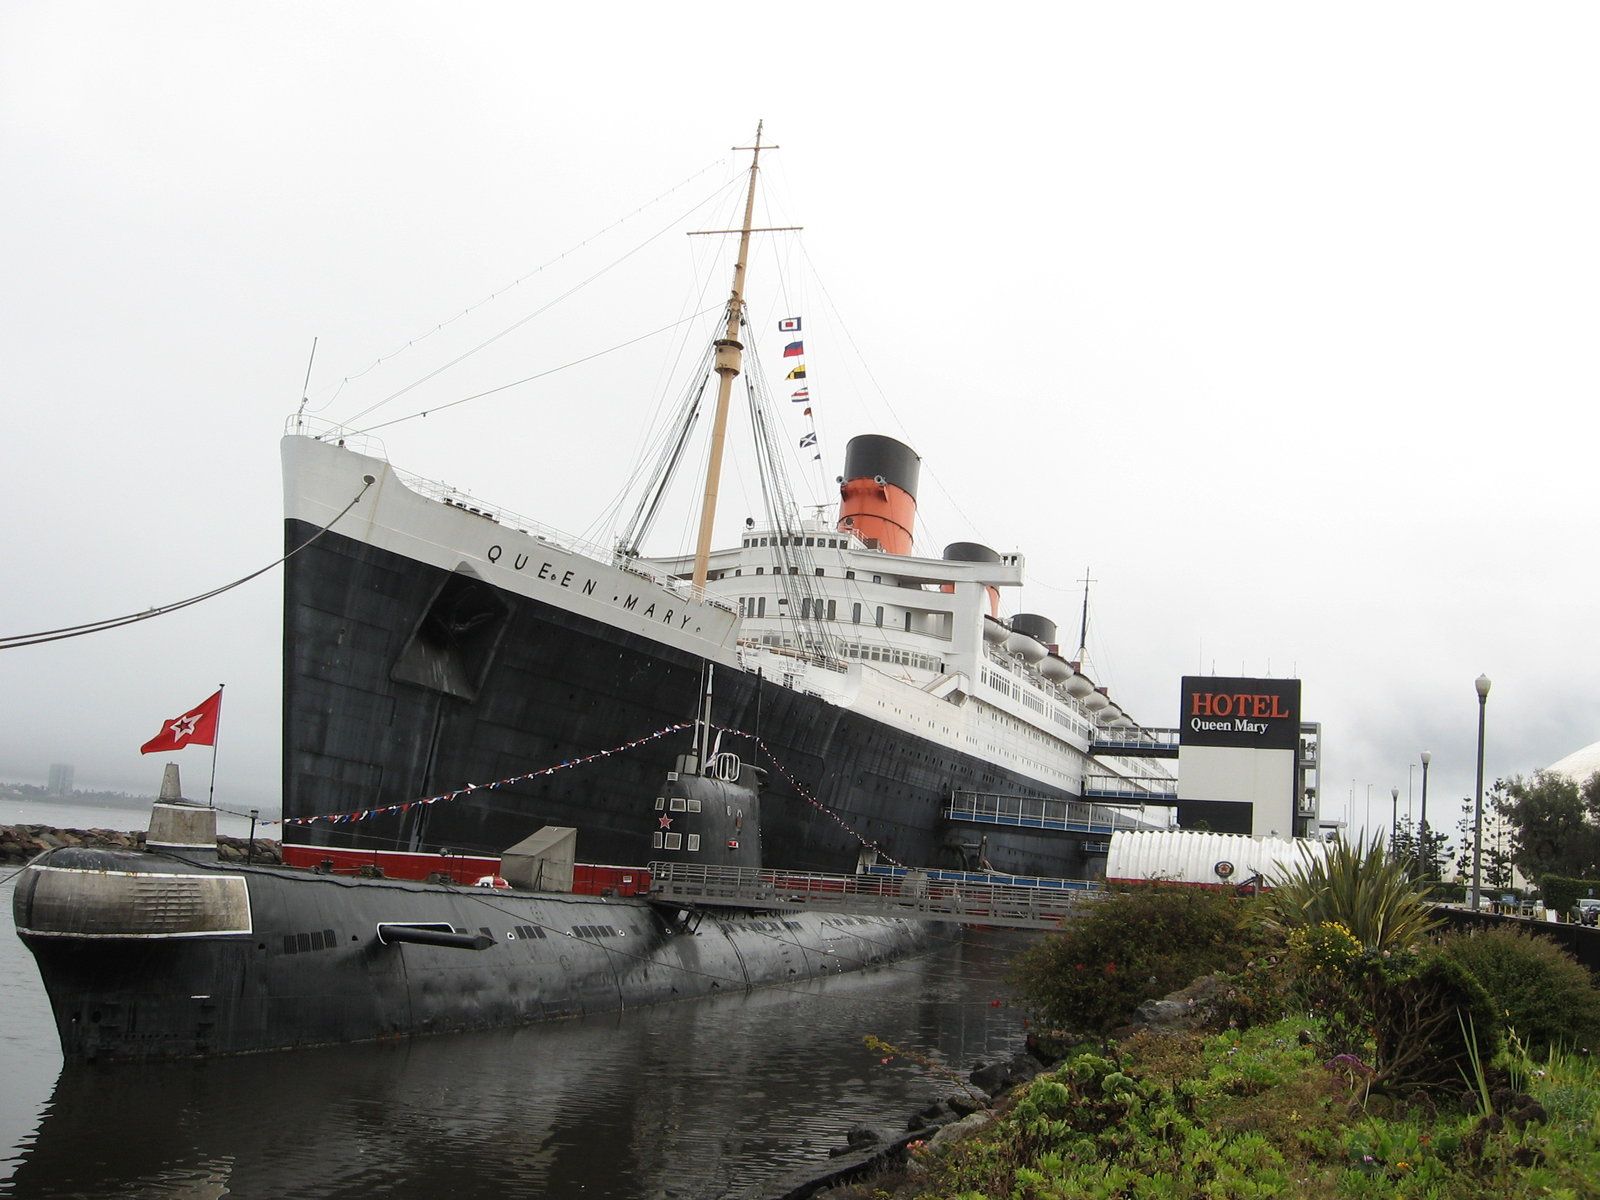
760,570
678,804
849,574
661,803
694,805
674,841
694,841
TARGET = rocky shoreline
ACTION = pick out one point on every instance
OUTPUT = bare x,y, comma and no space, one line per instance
23,843
868,1152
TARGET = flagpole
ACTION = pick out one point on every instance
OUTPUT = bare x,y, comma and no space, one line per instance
215,738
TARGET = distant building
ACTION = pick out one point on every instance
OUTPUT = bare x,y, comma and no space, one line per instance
60,780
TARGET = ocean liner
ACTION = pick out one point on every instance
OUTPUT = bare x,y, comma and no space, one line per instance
432,641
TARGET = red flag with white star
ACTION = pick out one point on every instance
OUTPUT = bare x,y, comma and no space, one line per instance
197,727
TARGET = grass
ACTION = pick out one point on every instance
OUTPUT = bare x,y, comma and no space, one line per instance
1238,1116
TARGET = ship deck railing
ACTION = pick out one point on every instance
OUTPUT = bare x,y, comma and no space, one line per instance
1030,812
1132,789
912,895
1135,741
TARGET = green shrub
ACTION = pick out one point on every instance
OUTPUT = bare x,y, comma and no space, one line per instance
1560,892
1538,989
1358,885
1422,1009
1129,947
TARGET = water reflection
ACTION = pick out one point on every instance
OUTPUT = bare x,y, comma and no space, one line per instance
703,1099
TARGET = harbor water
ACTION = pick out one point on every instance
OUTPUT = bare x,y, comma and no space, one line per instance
731,1097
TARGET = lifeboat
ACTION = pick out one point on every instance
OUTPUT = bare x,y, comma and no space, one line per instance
1055,668
1080,685
995,631
1028,649
1096,699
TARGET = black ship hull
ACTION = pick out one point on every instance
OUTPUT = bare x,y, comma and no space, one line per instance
403,681
151,956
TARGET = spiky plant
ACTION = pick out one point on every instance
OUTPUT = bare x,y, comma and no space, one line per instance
1357,884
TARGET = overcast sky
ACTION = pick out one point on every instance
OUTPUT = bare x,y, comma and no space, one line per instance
1279,318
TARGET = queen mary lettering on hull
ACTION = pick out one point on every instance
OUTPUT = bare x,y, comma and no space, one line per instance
432,641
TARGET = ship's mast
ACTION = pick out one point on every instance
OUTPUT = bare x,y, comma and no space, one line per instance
1083,630
728,364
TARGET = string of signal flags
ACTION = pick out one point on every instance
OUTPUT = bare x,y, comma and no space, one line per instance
797,374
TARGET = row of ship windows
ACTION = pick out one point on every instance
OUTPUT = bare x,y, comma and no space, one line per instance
679,804
827,543
905,658
738,573
756,606
1001,684
674,841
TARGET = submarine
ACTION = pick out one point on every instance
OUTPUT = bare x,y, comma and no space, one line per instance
170,953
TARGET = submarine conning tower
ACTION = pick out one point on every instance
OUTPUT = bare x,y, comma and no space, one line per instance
711,819
878,492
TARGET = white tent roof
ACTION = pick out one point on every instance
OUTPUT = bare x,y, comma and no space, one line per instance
1580,764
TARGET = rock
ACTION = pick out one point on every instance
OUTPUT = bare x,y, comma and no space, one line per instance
990,1079
932,1114
1023,1068
863,1136
1033,1047
961,1128
962,1104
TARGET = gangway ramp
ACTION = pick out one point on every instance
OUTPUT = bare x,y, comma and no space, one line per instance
915,895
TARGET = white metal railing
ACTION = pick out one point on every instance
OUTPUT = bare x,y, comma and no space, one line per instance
1138,788
1030,812
1136,737
914,895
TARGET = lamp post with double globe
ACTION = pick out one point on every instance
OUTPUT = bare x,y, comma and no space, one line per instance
1482,684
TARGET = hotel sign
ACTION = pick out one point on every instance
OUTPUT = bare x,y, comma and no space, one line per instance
1255,714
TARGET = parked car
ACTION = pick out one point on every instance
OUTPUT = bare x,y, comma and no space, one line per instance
1586,912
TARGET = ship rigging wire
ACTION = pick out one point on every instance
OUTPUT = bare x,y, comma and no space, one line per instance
529,378
542,309
16,641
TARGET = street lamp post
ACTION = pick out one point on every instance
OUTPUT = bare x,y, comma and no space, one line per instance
1422,836
1482,684
1394,813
